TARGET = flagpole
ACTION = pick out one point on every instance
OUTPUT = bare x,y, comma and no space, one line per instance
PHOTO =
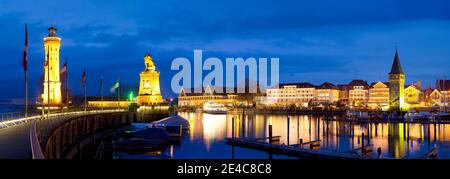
25,67
26,93
118,95
101,89
67,85
85,111
48,82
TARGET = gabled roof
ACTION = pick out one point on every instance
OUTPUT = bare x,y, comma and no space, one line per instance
412,86
374,83
358,83
428,91
342,87
328,85
298,85
396,66
436,91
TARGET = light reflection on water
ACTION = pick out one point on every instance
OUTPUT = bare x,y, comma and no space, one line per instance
206,138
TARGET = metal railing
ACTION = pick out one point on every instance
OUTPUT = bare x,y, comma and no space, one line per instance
14,118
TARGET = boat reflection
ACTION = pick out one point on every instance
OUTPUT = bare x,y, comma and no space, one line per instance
396,140
214,128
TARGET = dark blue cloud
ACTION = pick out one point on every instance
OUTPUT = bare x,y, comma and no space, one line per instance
316,41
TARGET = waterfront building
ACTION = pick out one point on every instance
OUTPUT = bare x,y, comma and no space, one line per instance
343,94
358,93
149,89
443,86
189,99
435,98
289,94
396,86
52,83
379,95
326,93
413,96
109,102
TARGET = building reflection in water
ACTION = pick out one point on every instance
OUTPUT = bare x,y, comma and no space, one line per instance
396,140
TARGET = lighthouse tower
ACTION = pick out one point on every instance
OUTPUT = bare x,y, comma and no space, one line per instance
52,83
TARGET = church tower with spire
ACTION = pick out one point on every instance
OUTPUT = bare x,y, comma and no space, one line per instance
396,85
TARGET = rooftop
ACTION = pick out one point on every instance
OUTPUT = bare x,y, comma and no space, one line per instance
396,66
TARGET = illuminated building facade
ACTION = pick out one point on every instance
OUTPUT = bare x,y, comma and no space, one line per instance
187,99
109,102
413,96
52,83
326,93
396,86
343,94
443,86
149,90
298,94
435,98
379,95
358,93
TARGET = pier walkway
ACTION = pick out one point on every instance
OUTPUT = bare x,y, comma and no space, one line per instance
294,151
15,134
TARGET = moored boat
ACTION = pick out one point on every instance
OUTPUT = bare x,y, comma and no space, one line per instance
211,107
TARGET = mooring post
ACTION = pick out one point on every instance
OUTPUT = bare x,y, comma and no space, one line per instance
270,133
232,128
301,143
362,143
288,126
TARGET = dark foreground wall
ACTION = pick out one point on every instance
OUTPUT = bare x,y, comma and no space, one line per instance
66,140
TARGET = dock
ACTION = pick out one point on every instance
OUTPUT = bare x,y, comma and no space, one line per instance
291,150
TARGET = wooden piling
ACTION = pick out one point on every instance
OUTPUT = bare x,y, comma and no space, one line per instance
288,124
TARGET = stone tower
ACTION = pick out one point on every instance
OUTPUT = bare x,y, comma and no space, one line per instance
52,44
149,91
396,85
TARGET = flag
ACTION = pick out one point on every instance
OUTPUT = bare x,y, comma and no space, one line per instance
114,87
64,69
25,50
83,78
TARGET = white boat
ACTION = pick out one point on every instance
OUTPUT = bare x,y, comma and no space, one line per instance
422,115
214,108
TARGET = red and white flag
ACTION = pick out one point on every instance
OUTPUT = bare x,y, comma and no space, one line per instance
64,68
25,50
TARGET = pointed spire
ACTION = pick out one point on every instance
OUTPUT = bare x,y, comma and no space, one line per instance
396,66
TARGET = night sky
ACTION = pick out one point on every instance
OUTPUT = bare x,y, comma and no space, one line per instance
316,41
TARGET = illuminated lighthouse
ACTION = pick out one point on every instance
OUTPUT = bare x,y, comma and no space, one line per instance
52,83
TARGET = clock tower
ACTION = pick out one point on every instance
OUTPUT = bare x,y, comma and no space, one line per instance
149,92
396,86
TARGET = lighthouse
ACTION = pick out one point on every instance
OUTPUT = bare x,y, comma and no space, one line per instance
52,83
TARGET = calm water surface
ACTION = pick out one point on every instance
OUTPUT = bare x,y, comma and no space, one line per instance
206,137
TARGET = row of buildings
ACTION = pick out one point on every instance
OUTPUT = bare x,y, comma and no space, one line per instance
358,94
392,95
